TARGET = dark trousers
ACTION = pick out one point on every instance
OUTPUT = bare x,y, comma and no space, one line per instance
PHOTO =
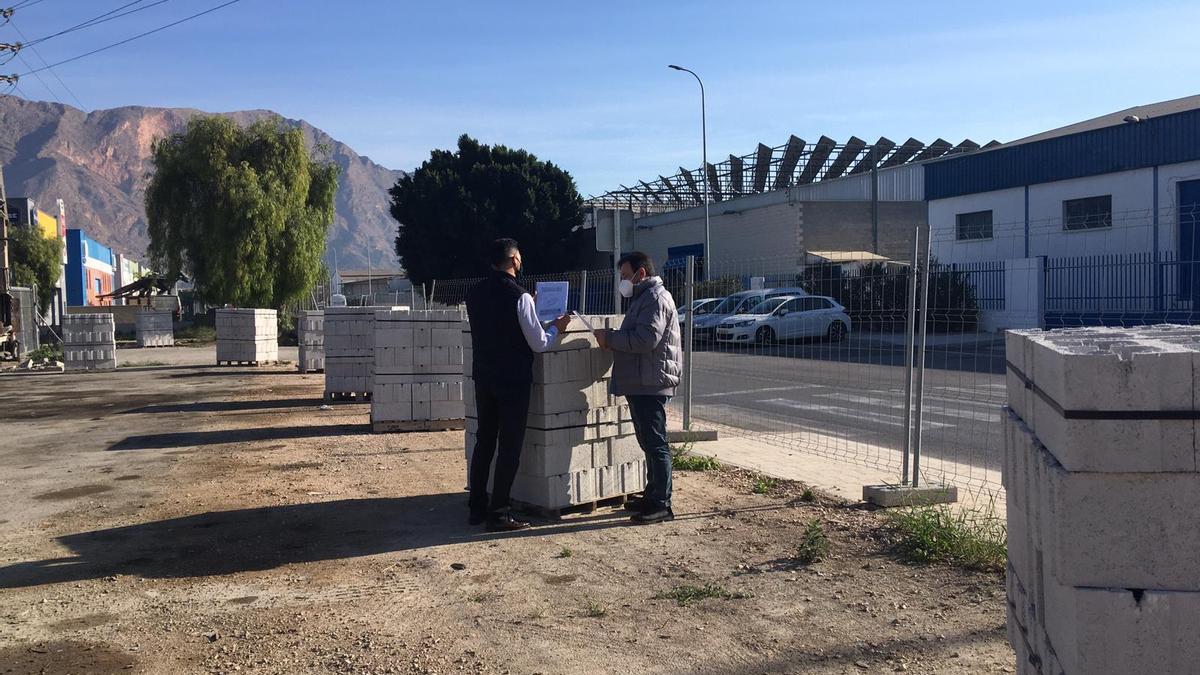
501,409
650,425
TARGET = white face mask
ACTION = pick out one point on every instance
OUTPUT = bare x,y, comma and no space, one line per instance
625,288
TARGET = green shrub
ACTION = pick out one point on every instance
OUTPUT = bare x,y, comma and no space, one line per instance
972,539
814,545
683,459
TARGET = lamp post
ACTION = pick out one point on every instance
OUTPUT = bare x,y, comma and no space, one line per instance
703,169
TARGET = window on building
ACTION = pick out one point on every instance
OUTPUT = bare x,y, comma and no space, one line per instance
1088,213
974,225
99,287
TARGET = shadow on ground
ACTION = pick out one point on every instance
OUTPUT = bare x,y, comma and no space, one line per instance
227,542
187,439
228,406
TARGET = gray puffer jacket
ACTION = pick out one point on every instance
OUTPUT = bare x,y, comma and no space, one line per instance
647,352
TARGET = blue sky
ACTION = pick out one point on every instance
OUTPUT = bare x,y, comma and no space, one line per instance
586,86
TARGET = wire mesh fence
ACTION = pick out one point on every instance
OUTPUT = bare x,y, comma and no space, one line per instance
874,361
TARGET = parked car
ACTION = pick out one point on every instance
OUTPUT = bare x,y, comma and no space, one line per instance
787,318
705,326
700,307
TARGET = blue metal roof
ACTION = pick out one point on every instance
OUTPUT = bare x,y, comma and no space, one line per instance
1168,139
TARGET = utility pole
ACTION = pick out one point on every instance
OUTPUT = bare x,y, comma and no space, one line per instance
6,299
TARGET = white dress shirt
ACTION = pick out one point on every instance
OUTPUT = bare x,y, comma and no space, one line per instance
539,340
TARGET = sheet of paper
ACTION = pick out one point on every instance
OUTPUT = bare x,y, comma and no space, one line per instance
583,318
551,299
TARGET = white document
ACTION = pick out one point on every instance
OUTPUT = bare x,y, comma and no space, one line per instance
551,299
583,318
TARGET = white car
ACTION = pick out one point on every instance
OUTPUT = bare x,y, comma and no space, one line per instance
700,307
738,303
786,318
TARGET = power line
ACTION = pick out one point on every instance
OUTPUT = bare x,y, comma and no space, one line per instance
35,73
135,37
97,20
27,3
52,71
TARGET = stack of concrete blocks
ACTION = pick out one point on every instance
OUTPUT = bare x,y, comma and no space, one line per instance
418,380
1103,499
89,342
350,351
579,442
154,329
310,336
247,336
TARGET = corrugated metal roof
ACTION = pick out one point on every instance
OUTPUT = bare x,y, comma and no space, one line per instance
1144,112
1167,139
846,256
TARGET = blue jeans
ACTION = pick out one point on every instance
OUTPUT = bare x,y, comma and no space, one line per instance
650,424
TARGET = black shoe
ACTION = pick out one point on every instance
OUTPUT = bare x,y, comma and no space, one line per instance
505,523
477,517
653,515
635,504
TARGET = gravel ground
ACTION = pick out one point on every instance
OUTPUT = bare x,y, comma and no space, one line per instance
185,518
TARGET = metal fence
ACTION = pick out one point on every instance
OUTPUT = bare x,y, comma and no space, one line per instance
831,364
873,362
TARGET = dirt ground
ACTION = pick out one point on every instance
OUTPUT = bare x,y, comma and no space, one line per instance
196,519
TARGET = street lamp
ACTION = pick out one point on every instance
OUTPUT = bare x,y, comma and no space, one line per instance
703,169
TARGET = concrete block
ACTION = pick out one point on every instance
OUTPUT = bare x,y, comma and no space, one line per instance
541,460
624,449
1128,530
1118,630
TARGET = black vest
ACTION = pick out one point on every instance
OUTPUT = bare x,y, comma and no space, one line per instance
499,350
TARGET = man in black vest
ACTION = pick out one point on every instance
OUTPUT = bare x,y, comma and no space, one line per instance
505,332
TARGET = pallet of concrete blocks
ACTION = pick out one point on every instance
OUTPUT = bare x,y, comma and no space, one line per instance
247,336
580,448
89,342
1102,491
310,338
418,381
154,328
350,352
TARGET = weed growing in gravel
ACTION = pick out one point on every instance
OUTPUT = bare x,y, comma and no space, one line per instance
686,595
47,352
595,610
808,495
764,484
974,539
197,333
564,553
814,545
483,596
683,459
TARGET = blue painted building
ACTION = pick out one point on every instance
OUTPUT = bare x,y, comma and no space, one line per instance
89,272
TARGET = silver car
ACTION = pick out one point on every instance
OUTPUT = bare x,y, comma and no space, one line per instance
787,318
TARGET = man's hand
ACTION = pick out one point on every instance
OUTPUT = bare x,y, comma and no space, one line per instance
561,322
602,338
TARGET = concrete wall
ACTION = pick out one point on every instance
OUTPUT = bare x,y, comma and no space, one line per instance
770,230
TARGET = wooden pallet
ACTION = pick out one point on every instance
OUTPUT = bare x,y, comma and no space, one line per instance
418,425
247,363
574,509
347,396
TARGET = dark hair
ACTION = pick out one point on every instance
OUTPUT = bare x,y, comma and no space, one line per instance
501,250
636,260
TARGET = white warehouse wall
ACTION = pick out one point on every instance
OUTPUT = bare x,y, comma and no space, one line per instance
1133,217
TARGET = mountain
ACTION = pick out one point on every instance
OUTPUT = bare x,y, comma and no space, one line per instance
98,162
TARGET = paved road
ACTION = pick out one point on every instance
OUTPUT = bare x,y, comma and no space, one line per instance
855,393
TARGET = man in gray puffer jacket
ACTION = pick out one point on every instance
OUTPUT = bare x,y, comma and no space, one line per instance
647,356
